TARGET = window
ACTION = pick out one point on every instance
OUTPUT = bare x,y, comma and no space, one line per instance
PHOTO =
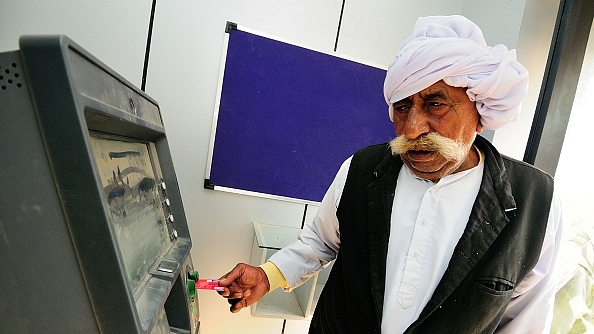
574,178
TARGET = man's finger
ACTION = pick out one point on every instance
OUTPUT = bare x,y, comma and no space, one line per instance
236,305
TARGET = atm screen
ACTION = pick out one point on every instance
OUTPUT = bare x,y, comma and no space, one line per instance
135,206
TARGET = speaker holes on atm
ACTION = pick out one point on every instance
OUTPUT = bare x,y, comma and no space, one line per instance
9,76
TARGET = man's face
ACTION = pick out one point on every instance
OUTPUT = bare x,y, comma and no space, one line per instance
443,110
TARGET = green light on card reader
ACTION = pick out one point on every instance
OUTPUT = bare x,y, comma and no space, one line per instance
193,275
191,288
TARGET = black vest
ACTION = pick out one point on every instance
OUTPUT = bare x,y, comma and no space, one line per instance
500,245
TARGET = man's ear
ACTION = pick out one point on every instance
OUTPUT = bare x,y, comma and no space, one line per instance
479,127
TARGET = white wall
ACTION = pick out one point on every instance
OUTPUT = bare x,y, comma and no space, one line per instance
113,31
534,41
499,20
375,30
183,76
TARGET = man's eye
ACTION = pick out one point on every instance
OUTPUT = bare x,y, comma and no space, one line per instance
401,108
436,107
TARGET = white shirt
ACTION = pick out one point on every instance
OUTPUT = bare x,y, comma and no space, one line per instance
430,220
427,221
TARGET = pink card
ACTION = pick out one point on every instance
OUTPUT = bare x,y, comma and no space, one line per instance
209,284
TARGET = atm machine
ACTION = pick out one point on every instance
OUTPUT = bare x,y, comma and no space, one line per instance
93,235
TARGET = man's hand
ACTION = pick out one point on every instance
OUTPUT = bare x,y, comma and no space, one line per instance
244,285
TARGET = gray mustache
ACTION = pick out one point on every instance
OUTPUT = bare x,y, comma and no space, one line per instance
450,149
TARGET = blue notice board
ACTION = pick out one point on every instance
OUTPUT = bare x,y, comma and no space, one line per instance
289,116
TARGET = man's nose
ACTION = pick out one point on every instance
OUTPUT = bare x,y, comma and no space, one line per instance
416,123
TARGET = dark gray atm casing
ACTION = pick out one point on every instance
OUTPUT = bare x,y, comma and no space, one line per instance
62,269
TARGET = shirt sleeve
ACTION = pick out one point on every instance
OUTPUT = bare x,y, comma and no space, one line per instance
531,307
319,241
276,279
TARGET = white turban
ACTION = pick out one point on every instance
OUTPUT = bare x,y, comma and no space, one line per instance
453,49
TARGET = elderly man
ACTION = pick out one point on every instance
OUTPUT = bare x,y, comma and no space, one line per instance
435,232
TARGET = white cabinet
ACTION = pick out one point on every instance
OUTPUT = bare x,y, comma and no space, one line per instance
297,304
